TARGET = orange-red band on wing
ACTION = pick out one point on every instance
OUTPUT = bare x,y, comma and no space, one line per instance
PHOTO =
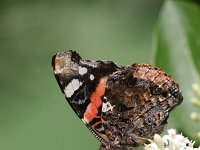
92,109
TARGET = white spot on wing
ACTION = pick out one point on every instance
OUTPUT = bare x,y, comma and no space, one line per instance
91,77
82,70
107,107
72,87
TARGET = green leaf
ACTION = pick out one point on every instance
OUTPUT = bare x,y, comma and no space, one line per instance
176,48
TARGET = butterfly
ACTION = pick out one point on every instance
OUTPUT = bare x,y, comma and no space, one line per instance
124,106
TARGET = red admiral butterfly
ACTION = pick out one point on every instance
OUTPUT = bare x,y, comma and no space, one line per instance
121,106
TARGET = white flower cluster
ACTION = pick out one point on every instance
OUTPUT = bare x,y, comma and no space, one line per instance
172,141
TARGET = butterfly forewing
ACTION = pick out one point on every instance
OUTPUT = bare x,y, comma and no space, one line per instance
83,83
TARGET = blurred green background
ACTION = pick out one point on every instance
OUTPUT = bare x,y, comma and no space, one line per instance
33,112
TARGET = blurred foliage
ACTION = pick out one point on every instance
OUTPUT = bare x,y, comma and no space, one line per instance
177,50
196,102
